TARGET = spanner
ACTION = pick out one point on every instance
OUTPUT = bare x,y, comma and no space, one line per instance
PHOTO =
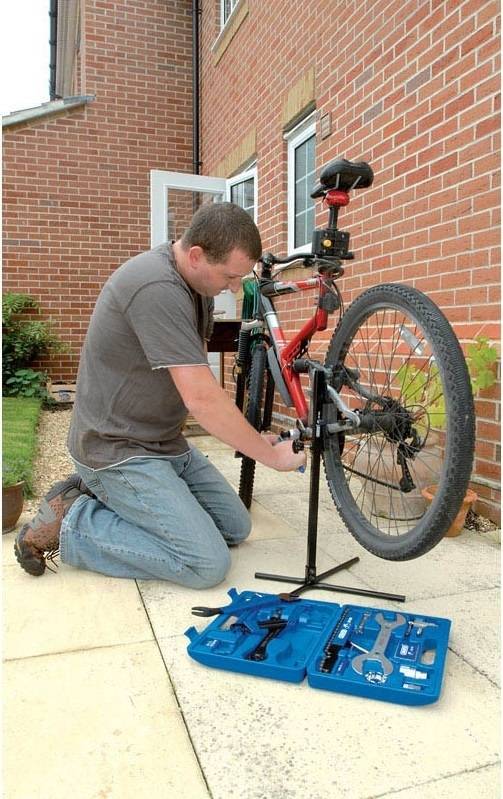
380,644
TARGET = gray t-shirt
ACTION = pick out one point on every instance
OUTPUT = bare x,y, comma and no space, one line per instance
146,319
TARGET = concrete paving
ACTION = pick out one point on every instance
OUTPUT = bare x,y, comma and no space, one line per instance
103,702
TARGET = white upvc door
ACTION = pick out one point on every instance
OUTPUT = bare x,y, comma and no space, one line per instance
172,204
162,184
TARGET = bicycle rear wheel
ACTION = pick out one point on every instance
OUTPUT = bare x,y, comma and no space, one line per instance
258,410
396,360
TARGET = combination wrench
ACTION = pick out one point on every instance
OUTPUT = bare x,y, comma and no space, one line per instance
379,646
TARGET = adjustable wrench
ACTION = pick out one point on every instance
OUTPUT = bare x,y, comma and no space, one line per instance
379,646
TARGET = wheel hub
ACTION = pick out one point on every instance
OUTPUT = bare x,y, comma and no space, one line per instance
391,419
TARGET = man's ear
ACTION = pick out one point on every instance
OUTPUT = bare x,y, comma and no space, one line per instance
195,254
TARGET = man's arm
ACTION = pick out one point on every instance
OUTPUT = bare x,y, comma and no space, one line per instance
215,411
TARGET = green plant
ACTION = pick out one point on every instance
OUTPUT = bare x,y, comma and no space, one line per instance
24,339
482,358
13,471
425,388
26,383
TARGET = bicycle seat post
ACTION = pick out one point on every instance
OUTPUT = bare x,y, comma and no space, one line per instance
331,241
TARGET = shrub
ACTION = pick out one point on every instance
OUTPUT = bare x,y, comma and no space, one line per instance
26,383
482,359
24,339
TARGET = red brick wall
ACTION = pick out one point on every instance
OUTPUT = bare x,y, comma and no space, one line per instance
77,186
413,88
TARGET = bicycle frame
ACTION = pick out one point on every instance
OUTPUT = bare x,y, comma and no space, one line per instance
329,247
287,351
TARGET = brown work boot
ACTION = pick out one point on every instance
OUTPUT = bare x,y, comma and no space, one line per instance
38,540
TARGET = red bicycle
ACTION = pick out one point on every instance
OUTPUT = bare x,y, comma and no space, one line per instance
396,419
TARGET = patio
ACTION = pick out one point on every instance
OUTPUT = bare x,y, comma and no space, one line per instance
102,699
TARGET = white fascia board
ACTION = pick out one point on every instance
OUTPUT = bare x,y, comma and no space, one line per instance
46,109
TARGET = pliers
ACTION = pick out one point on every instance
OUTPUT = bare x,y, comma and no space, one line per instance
238,607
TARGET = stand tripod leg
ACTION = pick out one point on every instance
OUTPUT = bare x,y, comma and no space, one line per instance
311,580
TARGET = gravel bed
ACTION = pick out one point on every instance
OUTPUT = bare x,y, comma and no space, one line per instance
52,461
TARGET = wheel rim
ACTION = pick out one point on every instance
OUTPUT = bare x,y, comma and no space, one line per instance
389,354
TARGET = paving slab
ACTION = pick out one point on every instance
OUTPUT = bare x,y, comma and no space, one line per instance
96,724
267,481
208,443
476,627
452,567
121,709
266,524
169,606
463,563
69,610
483,783
257,738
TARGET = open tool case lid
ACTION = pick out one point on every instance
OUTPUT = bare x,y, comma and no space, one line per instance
381,654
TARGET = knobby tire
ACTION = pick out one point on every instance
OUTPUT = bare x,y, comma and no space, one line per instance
253,414
351,464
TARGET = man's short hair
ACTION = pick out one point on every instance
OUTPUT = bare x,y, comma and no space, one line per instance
220,227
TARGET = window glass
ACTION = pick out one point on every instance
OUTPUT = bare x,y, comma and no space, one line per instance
242,190
243,194
304,179
227,7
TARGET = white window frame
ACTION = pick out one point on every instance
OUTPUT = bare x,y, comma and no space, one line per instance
250,172
224,22
294,138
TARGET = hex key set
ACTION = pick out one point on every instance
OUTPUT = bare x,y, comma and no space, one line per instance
380,654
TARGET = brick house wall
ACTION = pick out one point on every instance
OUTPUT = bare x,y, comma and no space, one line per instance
77,185
413,88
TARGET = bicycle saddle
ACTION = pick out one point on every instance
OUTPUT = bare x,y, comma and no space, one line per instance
343,175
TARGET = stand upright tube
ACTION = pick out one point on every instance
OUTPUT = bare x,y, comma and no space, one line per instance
314,487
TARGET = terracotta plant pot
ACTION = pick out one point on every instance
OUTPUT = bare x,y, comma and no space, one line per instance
12,505
458,523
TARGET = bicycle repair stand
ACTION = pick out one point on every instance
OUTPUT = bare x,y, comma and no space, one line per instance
311,580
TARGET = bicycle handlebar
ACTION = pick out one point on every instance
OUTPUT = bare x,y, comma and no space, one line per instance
269,259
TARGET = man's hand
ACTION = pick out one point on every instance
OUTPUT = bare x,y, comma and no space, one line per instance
272,438
216,412
288,460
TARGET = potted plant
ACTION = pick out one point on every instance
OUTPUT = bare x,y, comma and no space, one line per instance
481,360
13,484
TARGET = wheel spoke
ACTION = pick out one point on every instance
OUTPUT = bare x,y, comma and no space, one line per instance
399,346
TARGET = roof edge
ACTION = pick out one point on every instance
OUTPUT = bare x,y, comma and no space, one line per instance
46,109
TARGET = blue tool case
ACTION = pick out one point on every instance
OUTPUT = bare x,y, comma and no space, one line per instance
381,654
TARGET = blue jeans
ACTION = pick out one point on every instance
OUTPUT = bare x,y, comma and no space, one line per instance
167,518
